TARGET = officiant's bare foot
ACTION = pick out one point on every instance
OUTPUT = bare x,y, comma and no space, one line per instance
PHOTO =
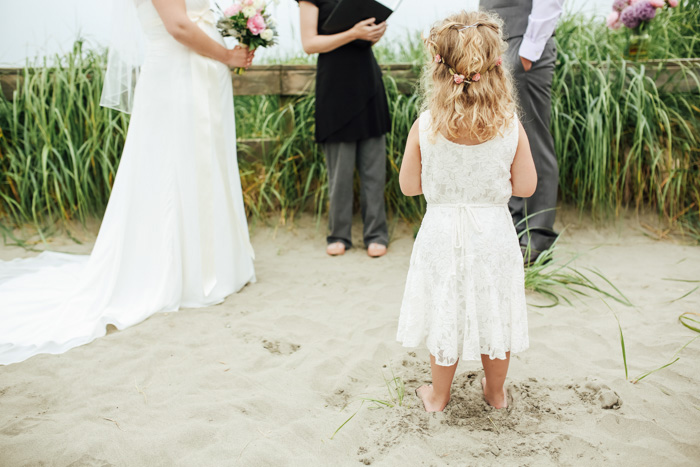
497,399
431,402
336,249
375,250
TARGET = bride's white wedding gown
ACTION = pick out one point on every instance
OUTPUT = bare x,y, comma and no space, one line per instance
174,234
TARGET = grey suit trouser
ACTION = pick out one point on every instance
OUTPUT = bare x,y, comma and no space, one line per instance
534,94
369,155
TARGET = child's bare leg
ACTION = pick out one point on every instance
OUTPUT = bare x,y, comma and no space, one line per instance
436,396
496,371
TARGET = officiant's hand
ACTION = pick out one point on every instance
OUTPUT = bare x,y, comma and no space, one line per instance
368,31
383,30
240,57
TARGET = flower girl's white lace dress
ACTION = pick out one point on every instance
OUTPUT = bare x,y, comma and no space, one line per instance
465,291
175,232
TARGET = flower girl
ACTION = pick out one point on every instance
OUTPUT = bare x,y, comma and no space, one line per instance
468,154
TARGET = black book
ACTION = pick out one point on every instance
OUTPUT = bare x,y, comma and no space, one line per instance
350,12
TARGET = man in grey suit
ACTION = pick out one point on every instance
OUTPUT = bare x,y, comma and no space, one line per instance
529,30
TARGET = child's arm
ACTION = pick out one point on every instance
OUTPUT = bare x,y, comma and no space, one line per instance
409,176
523,176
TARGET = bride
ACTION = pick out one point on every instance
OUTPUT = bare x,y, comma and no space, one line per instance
174,233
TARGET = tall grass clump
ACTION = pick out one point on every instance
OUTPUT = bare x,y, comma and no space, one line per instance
59,150
621,139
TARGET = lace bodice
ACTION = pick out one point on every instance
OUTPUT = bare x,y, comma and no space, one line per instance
459,174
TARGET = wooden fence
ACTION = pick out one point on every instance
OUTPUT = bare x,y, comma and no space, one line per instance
289,81
296,80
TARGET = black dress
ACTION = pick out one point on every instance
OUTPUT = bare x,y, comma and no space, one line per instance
351,101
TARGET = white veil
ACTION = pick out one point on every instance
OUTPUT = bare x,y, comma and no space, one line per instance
125,56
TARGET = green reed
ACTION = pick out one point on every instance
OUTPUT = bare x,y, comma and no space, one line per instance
59,150
622,141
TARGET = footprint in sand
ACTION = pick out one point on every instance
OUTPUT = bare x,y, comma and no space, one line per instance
280,348
608,398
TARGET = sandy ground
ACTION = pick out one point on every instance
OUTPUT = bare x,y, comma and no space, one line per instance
263,379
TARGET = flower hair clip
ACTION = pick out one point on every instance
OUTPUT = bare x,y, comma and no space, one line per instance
499,62
460,78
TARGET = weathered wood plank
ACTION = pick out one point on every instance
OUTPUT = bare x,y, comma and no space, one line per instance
680,75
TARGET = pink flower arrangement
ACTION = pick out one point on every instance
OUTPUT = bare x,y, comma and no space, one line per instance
249,22
256,24
636,13
233,10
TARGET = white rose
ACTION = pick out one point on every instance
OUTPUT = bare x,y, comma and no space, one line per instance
259,4
249,11
267,34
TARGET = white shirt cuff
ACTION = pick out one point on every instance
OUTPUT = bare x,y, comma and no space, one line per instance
532,50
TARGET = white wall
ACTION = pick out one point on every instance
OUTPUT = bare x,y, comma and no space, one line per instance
32,28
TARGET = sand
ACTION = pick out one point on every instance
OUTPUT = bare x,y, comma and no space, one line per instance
263,379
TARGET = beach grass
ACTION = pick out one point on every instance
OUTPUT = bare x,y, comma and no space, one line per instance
396,390
622,140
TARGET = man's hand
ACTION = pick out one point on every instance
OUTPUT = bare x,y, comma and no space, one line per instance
527,64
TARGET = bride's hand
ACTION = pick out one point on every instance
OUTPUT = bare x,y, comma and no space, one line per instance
240,57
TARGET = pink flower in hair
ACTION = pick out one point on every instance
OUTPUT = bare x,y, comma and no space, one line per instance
438,59
499,62
256,24
476,77
459,79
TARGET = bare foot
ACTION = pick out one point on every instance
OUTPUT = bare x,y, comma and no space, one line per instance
375,250
497,401
430,402
336,249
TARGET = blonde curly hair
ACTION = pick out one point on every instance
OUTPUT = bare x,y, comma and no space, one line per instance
465,87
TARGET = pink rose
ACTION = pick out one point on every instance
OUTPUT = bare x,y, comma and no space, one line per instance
500,61
459,79
673,3
613,20
438,59
256,24
476,77
233,10
657,3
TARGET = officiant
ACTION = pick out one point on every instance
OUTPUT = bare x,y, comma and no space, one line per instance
352,119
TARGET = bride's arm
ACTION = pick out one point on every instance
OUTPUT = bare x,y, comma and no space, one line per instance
174,16
315,43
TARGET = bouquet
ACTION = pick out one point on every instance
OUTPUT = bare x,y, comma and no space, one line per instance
250,23
636,15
